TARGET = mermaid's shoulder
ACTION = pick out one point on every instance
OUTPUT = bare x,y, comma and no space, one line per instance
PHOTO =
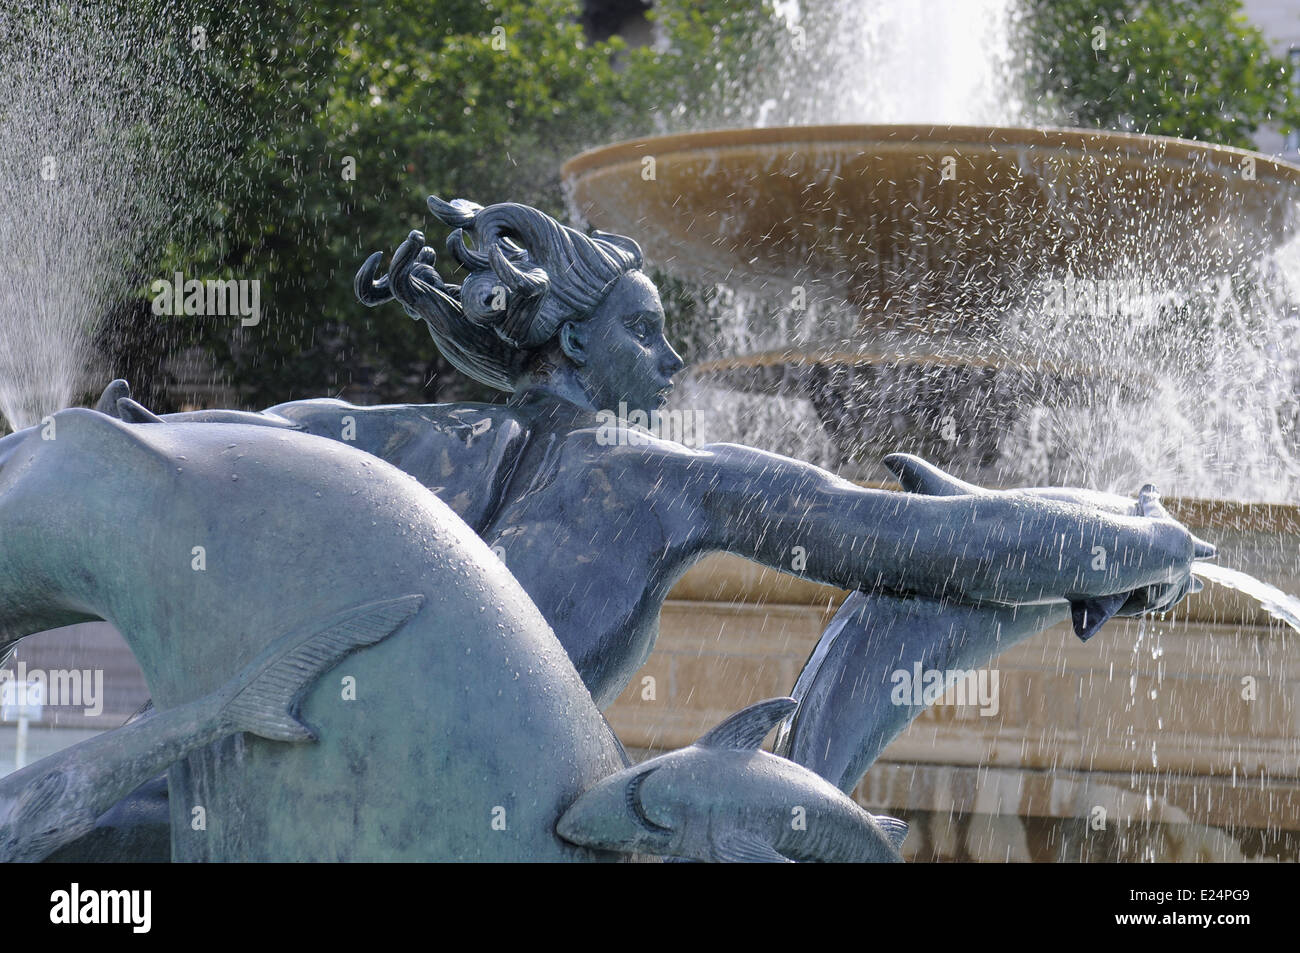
464,452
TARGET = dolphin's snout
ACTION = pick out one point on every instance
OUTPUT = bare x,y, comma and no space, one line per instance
566,828
8,443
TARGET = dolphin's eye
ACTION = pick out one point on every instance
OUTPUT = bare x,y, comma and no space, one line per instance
633,797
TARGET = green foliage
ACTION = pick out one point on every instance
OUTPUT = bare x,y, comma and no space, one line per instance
484,99
480,100
712,50
1190,68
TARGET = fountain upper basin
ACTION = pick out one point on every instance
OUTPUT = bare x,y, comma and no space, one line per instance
899,218
929,255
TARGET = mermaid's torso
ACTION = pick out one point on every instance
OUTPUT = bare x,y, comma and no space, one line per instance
596,534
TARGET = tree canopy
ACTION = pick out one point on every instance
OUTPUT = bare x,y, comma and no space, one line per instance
333,122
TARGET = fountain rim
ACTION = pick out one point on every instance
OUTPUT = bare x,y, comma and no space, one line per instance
1058,138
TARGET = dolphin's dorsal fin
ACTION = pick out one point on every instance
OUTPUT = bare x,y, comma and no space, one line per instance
745,730
743,847
112,394
894,829
134,413
914,475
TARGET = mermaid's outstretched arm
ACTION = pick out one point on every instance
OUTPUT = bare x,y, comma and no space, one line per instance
978,547
850,706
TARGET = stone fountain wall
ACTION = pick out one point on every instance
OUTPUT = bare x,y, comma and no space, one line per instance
1146,722
1140,745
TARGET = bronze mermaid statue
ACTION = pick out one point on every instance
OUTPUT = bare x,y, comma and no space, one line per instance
598,530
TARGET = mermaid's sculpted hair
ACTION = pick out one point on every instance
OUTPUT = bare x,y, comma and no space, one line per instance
528,276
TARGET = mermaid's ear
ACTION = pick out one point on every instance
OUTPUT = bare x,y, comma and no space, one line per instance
573,341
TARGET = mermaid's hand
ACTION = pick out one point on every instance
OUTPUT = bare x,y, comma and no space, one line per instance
1090,612
1162,598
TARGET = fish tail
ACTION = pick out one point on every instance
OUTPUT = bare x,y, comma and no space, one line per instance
266,694
28,834
895,830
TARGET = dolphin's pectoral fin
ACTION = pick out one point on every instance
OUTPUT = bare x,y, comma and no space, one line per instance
894,829
745,730
1089,615
268,691
741,847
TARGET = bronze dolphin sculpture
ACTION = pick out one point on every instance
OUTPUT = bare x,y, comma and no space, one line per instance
56,800
201,544
724,800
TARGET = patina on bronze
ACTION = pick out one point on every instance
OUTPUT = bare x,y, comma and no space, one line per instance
594,531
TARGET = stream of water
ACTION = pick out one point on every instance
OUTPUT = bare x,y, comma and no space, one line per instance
1273,600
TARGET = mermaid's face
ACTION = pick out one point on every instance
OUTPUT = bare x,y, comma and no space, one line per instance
623,356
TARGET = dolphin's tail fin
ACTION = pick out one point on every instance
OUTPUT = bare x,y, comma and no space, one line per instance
266,694
27,833
894,829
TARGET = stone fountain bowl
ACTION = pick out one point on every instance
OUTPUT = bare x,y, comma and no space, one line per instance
871,403
921,245
901,219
